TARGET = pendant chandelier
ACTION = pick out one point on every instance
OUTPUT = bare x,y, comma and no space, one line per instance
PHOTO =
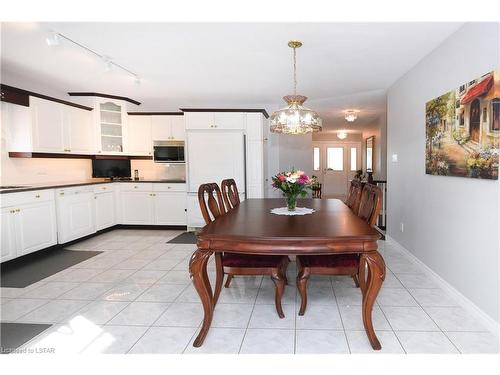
295,118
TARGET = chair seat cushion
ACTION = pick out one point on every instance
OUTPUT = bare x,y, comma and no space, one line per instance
251,261
330,261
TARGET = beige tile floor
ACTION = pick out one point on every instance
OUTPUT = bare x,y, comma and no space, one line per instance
136,297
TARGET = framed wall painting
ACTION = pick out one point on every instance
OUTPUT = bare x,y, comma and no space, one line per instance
463,130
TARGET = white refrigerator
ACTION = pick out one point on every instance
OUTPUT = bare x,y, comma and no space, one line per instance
213,156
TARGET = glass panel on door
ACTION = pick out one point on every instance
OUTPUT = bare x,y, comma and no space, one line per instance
335,158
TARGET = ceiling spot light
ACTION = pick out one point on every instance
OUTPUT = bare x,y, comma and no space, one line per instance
53,39
351,115
341,135
108,64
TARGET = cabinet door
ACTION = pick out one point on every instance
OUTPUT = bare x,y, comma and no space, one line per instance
104,210
36,227
139,135
214,156
8,240
137,207
178,130
78,131
199,120
170,208
194,216
112,129
161,128
75,213
17,127
229,120
47,125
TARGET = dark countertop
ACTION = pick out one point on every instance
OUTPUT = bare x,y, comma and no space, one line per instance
94,181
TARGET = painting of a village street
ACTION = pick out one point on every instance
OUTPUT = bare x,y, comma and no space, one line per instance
463,130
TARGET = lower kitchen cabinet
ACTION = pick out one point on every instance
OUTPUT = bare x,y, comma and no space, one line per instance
27,228
104,210
137,207
75,214
170,208
152,204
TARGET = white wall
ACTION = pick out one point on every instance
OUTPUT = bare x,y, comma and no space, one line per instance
452,224
296,151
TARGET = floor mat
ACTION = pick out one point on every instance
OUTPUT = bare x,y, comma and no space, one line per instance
186,237
30,269
13,335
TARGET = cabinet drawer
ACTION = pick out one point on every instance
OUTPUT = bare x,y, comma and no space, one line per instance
138,186
169,187
74,190
103,188
27,197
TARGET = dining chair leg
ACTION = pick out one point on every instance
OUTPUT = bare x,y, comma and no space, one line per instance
302,279
228,281
219,276
356,280
279,282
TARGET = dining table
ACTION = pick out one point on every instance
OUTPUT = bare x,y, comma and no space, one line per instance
251,228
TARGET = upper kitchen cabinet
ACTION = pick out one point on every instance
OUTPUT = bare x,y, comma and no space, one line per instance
215,120
139,135
48,126
112,126
168,128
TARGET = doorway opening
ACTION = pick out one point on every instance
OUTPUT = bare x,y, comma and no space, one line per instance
335,164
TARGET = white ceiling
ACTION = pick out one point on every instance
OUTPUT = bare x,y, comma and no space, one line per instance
340,66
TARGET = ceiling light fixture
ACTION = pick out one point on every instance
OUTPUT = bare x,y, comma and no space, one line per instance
342,134
351,115
56,38
295,118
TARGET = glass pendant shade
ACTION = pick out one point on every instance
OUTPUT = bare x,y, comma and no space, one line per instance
295,118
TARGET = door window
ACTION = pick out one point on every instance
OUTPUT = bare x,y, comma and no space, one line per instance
335,158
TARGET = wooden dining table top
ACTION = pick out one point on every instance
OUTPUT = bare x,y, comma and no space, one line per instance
252,222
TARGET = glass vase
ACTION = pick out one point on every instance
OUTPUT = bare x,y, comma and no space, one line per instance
291,202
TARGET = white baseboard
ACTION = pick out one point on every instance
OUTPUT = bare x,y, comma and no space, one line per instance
488,321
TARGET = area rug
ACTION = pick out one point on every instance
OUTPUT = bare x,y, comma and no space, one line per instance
13,335
24,271
185,238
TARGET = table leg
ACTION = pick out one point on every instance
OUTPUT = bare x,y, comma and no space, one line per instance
375,277
199,275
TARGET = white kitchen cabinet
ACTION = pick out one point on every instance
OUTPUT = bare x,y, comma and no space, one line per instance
139,135
178,130
214,156
112,126
215,120
8,240
36,227
78,131
137,207
104,210
75,213
28,223
170,208
168,128
152,203
48,125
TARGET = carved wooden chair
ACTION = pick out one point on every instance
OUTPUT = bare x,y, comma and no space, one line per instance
354,197
230,193
340,264
316,191
212,207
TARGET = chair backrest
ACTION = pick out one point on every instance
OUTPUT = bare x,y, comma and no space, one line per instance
316,191
211,207
230,193
371,202
354,197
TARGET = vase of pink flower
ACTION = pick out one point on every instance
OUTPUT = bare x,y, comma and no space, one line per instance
292,184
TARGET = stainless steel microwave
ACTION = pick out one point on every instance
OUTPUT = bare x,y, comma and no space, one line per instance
168,152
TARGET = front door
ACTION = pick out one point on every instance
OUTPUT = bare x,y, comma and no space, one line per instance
475,120
335,164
